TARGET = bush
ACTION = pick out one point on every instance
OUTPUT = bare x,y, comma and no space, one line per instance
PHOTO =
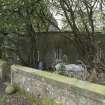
10,89
61,69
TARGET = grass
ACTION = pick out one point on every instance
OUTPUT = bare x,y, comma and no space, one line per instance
36,100
25,98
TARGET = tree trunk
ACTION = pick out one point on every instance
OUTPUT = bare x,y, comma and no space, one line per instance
87,50
33,57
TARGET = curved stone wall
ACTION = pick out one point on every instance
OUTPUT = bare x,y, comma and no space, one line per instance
68,91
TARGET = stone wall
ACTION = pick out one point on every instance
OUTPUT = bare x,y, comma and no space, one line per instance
4,71
53,42
67,91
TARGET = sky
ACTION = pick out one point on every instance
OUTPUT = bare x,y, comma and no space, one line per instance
58,17
59,20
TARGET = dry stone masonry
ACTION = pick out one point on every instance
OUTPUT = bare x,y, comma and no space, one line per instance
68,91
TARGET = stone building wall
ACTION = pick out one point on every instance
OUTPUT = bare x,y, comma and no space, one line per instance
67,91
50,42
47,44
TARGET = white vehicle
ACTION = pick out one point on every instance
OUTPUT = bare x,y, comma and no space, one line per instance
70,67
72,70
74,67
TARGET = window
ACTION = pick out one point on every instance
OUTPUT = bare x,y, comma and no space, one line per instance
58,53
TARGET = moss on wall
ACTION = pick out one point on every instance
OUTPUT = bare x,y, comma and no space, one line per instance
84,85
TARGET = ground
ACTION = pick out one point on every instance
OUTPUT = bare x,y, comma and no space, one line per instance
21,98
15,99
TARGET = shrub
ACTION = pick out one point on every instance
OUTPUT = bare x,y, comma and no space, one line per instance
10,89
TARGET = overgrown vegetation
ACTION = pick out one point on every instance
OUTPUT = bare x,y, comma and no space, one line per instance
26,98
81,18
19,19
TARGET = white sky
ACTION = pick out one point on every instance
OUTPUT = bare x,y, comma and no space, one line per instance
59,20
58,17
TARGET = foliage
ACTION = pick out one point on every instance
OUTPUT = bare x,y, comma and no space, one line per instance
21,19
38,100
60,69
10,89
17,14
81,20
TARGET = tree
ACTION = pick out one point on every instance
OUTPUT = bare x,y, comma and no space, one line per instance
25,18
79,15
